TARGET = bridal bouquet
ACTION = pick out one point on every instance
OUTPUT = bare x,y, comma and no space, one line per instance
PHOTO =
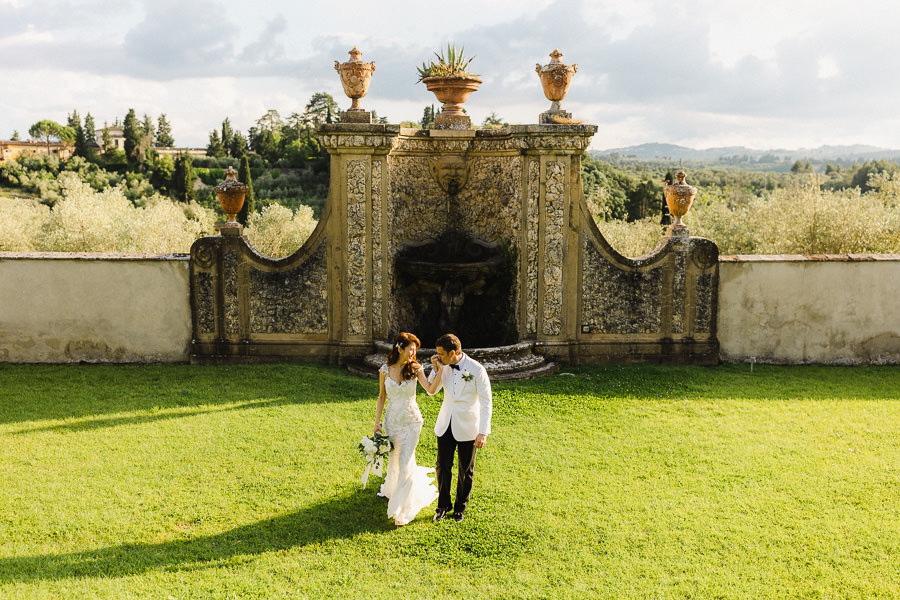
374,449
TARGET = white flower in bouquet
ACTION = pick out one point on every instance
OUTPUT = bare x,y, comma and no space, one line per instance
374,449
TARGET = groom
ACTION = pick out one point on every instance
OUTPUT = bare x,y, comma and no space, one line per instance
463,422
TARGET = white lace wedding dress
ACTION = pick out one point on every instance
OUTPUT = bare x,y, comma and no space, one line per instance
407,486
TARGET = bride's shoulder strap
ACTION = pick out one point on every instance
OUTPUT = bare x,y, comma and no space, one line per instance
384,368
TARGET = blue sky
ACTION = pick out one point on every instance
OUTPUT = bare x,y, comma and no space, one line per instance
700,73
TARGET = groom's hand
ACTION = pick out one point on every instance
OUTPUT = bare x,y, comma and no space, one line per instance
436,362
480,440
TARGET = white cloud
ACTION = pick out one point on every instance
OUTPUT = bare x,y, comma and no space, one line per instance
701,71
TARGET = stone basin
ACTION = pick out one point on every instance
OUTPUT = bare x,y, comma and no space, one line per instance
502,363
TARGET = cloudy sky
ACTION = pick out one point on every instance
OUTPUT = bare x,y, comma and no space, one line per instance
700,73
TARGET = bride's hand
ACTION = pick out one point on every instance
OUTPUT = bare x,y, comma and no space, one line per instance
377,429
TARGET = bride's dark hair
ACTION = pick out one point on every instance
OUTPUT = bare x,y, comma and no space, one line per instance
403,340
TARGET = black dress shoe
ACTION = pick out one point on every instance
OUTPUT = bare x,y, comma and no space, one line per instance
458,516
439,515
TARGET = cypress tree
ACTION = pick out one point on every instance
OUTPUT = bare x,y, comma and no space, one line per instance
164,132
80,138
183,179
90,133
132,131
249,202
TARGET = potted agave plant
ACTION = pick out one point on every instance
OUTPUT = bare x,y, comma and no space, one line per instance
449,79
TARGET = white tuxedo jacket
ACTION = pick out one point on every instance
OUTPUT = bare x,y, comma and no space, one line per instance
467,405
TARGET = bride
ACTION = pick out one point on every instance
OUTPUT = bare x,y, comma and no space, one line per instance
407,486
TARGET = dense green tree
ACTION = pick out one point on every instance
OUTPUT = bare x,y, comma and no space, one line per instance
860,178
15,135
183,178
271,121
238,145
81,141
164,132
227,135
320,109
265,143
133,132
801,166
105,138
51,130
214,147
427,117
162,174
148,127
645,199
90,132
245,177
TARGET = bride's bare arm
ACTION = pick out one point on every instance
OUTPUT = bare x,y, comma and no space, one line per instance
431,387
379,406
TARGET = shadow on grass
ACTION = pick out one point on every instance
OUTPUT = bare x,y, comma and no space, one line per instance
338,518
89,423
56,392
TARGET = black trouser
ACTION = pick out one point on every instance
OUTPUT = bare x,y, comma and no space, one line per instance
447,447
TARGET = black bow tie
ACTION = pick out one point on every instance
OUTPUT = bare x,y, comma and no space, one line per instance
455,367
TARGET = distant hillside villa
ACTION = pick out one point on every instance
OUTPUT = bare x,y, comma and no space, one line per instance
12,149
117,140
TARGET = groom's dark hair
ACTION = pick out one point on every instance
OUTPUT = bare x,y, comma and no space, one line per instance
448,341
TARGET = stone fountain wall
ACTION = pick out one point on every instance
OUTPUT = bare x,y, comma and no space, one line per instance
519,188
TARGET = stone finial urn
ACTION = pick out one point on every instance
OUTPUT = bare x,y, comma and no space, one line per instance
556,77
679,197
231,194
355,77
452,91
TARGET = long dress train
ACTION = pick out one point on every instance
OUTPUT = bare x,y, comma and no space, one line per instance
407,486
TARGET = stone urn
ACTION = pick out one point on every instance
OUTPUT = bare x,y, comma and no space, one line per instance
556,77
231,194
679,197
452,92
355,77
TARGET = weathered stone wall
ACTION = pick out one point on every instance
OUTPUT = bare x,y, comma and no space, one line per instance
251,306
487,206
60,308
72,307
810,309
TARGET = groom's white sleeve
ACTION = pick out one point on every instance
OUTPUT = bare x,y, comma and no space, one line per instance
431,379
486,401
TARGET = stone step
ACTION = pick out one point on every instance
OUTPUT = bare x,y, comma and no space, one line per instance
503,363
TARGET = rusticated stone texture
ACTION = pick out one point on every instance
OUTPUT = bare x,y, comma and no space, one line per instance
532,249
705,299
554,209
377,253
356,246
293,301
616,301
206,313
230,279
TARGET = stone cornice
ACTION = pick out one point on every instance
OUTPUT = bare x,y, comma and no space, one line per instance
514,139
377,136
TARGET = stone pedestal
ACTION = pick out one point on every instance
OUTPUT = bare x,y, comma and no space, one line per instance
443,121
356,116
231,229
555,117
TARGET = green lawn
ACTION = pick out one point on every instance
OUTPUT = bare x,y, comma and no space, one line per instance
608,482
